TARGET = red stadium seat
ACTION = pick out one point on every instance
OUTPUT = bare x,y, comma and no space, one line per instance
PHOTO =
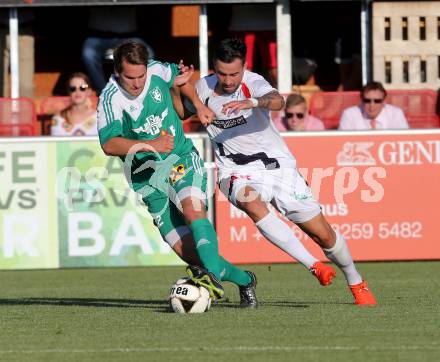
17,117
52,105
328,106
418,106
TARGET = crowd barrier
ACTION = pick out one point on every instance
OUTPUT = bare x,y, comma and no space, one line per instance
63,203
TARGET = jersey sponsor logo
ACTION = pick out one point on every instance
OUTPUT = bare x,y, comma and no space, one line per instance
177,173
229,123
156,94
153,124
355,154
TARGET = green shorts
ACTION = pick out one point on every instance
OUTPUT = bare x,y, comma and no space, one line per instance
186,177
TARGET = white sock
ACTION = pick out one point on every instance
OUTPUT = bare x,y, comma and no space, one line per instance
279,234
340,255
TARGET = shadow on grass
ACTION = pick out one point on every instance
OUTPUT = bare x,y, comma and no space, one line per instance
281,303
88,302
227,304
160,306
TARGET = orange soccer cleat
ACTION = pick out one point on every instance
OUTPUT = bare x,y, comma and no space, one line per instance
324,273
362,294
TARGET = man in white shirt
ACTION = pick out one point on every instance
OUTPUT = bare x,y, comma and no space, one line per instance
373,112
256,168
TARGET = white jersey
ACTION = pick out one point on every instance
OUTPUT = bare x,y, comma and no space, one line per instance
247,140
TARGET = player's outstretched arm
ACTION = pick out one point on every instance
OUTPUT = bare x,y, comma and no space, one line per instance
273,101
120,146
183,87
179,105
177,101
205,115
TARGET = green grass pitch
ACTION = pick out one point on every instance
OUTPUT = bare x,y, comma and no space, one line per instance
121,314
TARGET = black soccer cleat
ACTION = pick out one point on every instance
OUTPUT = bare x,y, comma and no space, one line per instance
206,279
248,296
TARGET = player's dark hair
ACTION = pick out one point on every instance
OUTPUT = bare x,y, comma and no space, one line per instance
132,52
230,49
373,85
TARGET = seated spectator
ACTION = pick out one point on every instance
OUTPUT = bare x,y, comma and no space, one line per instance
79,118
296,116
373,112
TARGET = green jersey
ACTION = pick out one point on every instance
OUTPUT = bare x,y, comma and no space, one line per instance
143,117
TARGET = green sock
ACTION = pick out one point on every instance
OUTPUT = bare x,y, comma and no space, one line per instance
233,274
206,243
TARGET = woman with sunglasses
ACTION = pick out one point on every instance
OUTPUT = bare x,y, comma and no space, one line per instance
79,118
373,113
296,116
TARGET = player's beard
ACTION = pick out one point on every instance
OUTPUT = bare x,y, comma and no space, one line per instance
230,90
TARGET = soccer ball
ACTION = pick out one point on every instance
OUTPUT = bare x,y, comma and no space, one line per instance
188,297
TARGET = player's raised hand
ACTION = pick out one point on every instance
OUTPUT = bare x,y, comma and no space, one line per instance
205,115
185,74
162,144
236,106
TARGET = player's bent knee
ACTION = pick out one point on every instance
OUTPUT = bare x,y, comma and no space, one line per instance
193,209
255,209
191,201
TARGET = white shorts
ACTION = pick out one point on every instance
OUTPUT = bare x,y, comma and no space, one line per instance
284,188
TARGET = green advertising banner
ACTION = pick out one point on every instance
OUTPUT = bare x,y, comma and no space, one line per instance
28,218
101,221
63,203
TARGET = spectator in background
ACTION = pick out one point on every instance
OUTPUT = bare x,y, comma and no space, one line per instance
373,112
25,52
79,118
296,116
109,27
255,25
